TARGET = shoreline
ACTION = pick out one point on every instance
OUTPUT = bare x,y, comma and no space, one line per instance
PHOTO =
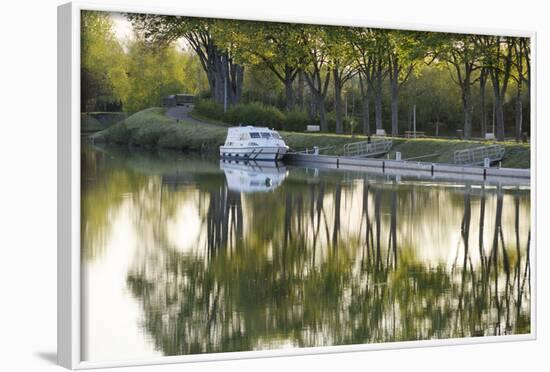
151,128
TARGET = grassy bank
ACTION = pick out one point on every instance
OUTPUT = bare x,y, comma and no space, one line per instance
151,128
97,121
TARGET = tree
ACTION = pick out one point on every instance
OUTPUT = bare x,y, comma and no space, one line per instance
152,74
405,49
272,45
340,51
497,54
225,76
482,104
368,49
316,66
462,55
102,62
522,74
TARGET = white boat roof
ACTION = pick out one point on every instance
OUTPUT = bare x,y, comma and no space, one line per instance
250,128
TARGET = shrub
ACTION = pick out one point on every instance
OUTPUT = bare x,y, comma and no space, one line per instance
255,114
244,113
210,109
297,121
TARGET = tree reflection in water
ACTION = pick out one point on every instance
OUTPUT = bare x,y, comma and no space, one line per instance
282,269
330,259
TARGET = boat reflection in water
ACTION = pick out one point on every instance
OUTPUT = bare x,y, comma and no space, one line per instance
252,176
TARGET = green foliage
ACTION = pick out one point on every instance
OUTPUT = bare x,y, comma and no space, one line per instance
296,121
253,113
89,124
397,69
102,62
151,128
209,109
152,74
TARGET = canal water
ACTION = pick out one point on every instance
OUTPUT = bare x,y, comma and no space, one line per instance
183,254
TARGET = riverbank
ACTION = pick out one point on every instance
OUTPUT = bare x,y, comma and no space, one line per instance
152,128
97,121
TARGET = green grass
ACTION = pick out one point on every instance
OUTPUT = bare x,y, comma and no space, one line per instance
96,121
152,128
198,116
90,124
517,155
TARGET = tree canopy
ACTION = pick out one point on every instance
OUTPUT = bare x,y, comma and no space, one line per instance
335,75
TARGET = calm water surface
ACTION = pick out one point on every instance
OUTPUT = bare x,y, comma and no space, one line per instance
185,255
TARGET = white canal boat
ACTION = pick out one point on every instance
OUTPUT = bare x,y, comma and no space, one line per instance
253,143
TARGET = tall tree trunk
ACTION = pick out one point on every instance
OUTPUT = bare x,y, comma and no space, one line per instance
322,112
500,75
468,109
499,116
301,89
482,103
365,94
519,115
378,96
394,85
318,86
338,100
519,105
288,88
225,78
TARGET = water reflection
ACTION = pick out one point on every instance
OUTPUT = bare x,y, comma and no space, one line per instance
252,176
324,258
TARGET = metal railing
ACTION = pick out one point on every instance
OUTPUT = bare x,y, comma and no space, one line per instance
477,155
365,148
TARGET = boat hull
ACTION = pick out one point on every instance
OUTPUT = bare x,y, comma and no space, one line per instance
253,153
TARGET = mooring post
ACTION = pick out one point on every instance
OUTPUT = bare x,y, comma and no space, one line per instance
397,155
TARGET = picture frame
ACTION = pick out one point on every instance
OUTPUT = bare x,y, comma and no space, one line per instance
69,191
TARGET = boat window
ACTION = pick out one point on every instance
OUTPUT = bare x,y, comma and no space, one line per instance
254,135
275,135
266,135
252,144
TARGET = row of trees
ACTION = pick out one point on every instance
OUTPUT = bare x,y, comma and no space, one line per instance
326,57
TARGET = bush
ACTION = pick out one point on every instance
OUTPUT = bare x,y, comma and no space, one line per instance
297,121
255,114
210,109
244,113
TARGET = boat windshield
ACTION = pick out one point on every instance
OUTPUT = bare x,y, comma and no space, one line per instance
265,135
276,135
254,135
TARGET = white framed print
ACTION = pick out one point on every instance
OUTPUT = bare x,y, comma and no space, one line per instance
250,186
